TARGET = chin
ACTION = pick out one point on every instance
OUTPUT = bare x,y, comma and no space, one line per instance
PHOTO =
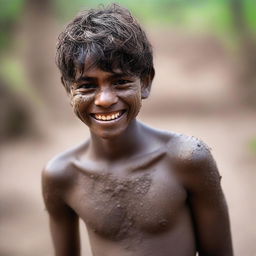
108,134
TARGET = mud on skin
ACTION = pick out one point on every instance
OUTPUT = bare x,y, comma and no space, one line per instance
122,196
169,201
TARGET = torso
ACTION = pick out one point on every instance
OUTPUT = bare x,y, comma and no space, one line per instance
138,207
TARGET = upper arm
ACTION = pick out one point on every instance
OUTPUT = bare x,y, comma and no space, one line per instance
64,224
207,204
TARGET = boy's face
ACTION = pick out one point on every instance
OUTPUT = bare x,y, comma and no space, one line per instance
107,102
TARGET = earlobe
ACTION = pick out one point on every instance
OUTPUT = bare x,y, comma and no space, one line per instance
146,84
68,90
70,94
71,100
65,84
145,92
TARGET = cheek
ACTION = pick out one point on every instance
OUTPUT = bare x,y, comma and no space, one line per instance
133,100
80,104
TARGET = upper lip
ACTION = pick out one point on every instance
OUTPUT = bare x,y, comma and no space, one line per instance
107,112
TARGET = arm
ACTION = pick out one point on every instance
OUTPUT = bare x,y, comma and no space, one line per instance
64,224
208,205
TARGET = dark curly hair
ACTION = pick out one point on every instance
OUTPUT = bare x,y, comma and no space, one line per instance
110,38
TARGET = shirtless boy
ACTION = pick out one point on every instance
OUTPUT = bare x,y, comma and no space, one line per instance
140,191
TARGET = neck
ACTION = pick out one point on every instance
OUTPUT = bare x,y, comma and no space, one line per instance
127,143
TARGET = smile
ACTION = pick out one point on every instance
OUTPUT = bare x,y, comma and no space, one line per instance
108,116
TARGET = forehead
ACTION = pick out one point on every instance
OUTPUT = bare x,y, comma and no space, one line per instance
92,70
92,65
98,73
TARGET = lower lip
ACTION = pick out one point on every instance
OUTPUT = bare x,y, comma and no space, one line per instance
110,121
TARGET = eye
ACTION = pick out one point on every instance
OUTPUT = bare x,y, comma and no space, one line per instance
121,82
87,86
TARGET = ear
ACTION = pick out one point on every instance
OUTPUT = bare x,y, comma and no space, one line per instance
65,84
67,88
146,83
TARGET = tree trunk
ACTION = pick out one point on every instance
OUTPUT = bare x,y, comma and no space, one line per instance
39,34
247,49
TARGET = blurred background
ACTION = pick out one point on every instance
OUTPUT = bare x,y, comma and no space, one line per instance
205,85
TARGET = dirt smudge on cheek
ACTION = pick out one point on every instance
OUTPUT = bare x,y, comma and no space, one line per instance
133,100
80,104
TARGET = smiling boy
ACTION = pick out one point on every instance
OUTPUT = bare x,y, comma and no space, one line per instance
140,191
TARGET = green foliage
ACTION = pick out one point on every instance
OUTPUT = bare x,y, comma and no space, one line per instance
67,9
250,13
204,15
10,13
13,73
11,9
11,70
252,145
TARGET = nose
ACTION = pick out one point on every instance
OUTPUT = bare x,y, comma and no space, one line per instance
106,98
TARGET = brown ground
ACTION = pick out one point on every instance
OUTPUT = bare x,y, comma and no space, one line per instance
195,100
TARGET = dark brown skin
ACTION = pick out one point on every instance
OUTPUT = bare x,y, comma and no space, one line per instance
140,191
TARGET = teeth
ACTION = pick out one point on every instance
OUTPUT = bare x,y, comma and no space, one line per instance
107,117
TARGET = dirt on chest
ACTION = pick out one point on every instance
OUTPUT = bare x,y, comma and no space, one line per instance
117,207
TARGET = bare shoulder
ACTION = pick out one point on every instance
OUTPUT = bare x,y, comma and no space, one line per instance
57,175
183,149
188,149
55,180
193,160
59,167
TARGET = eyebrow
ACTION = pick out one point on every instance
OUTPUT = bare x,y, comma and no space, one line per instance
85,79
90,79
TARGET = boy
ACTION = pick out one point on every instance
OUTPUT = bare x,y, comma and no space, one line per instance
140,191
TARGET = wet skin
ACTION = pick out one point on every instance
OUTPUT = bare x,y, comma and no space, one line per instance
140,191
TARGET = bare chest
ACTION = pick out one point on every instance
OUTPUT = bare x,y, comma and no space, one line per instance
115,207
